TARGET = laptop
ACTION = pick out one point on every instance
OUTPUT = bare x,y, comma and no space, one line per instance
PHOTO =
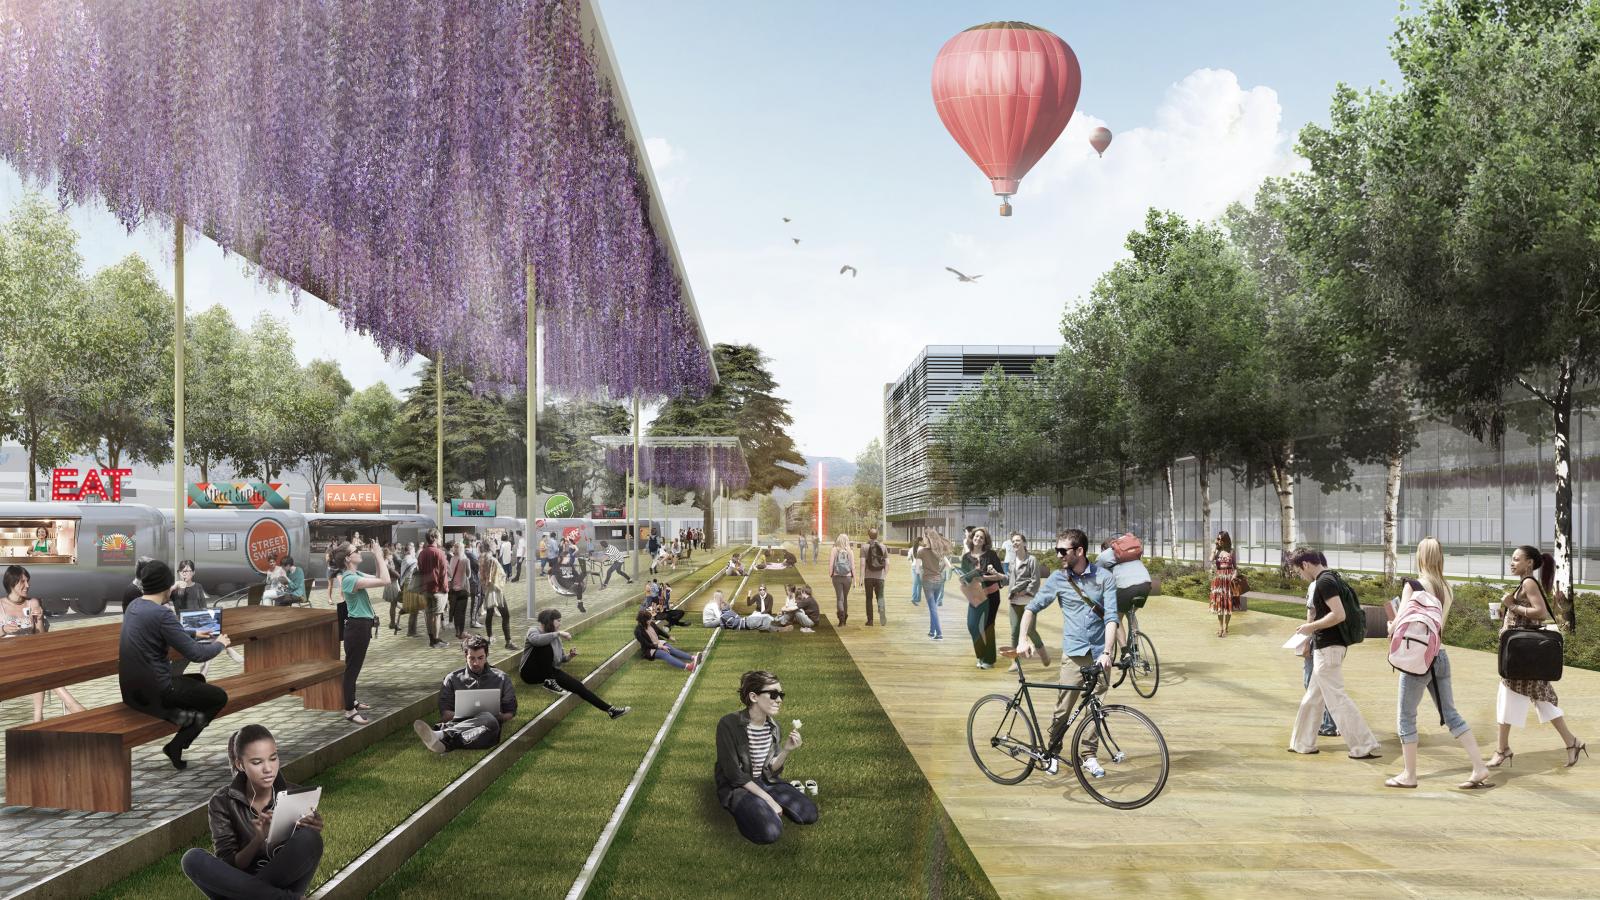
196,621
470,703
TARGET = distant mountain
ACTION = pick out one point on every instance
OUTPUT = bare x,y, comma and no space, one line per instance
839,472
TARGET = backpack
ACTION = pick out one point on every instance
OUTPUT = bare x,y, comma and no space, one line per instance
1418,625
1127,548
1354,627
877,560
841,564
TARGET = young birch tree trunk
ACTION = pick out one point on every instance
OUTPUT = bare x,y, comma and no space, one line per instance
1122,494
1391,513
1563,441
1282,474
1172,514
1206,534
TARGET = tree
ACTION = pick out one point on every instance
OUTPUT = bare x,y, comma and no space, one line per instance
412,447
869,481
272,391
366,422
742,404
121,409
1484,198
570,460
327,449
769,516
44,339
214,396
990,442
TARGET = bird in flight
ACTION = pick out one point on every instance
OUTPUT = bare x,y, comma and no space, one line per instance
850,269
961,277
796,240
787,219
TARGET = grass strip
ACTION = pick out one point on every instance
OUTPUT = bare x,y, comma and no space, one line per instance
882,831
369,794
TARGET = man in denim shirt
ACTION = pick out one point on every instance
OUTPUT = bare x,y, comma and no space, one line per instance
1088,597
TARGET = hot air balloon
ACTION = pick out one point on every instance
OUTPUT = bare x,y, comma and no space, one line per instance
1100,139
1005,91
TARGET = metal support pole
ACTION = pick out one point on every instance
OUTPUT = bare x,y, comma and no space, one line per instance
531,322
438,437
636,487
180,491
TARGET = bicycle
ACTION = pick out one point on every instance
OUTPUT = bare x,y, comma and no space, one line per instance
1003,735
1139,660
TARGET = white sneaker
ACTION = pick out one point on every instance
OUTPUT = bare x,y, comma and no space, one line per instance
1092,766
984,665
807,631
1051,766
430,738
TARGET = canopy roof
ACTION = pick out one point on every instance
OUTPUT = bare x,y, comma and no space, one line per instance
404,162
686,462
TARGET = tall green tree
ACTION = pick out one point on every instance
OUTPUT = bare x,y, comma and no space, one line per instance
990,442
744,403
215,380
570,460
44,338
769,516
326,449
367,420
412,446
122,408
273,399
868,482
1484,192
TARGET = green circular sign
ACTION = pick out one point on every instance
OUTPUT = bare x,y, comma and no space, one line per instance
559,506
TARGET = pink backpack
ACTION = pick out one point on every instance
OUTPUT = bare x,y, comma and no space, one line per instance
1418,625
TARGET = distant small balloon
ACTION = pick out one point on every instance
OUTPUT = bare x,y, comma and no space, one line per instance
1100,139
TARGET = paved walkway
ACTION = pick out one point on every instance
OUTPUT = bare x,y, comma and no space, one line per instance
1240,816
398,671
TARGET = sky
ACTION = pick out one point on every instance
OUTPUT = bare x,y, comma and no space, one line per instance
822,112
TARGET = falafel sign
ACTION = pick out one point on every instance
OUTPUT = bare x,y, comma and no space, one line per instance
236,495
266,545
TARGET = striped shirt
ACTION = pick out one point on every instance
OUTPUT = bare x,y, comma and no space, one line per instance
613,554
760,747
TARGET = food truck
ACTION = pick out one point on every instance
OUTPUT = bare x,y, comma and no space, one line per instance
235,548
387,528
80,556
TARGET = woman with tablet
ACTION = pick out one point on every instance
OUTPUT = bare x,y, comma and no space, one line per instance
248,862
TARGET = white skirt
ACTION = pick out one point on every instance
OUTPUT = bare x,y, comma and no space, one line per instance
1511,708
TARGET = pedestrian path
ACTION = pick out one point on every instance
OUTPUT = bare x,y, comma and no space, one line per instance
1240,816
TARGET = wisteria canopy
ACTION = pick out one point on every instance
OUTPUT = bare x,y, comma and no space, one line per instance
403,161
685,463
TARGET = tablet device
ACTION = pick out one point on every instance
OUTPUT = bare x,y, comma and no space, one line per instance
196,621
289,808
470,703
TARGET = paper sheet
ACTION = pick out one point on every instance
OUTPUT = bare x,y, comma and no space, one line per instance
1296,641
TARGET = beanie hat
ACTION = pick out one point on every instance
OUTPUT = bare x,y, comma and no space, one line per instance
156,577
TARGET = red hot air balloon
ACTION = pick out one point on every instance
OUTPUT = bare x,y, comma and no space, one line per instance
1100,139
1005,91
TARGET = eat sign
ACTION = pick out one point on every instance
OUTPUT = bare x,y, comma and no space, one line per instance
106,484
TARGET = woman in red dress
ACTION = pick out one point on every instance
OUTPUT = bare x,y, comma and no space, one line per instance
1224,591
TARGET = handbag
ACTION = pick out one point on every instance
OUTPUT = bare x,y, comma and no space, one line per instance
1241,584
1531,654
413,602
972,585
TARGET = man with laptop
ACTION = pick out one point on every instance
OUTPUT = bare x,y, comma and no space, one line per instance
474,701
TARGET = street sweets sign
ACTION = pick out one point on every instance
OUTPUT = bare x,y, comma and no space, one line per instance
97,484
266,545
236,495
352,498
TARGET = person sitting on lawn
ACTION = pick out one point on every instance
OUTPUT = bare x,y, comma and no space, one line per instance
750,763
719,612
543,655
760,600
241,819
661,613
799,606
653,646
481,730
735,566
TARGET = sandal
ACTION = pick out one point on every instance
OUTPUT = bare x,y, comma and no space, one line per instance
354,716
1573,749
1501,757
1476,784
1395,782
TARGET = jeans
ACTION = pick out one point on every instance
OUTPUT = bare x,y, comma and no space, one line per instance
543,670
756,820
916,586
933,592
1327,718
458,611
874,588
505,620
286,875
615,569
672,656
1412,687
189,703
841,596
518,574
479,732
1016,628
980,624
1326,692
802,551
357,635
796,616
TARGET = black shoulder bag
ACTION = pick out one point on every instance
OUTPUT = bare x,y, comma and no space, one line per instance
1532,654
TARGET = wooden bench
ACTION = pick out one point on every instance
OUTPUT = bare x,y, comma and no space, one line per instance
84,760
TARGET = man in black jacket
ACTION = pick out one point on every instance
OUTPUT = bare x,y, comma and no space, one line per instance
476,732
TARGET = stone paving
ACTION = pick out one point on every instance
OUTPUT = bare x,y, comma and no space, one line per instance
398,670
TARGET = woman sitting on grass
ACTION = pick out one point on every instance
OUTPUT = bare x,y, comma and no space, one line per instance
543,655
750,763
241,819
654,647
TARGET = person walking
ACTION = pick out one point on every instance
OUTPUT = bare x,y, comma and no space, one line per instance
1224,589
803,543
614,560
1024,577
433,568
493,575
916,570
574,562
552,552
1429,590
459,581
362,623
816,548
982,564
474,584
506,553
933,562
522,555
874,566
1329,647
1528,606
842,571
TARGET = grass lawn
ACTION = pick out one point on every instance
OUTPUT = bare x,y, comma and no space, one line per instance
367,795
882,831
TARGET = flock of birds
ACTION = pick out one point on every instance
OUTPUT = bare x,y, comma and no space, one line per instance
960,276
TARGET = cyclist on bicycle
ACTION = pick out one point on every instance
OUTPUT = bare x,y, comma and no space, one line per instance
1087,594
1131,577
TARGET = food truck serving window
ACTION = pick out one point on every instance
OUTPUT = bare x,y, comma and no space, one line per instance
224,541
39,541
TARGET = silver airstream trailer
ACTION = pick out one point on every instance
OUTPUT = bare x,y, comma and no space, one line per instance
80,555
387,528
235,548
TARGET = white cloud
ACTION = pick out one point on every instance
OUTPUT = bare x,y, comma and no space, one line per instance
663,156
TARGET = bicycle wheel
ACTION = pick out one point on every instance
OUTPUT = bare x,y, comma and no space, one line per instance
1146,668
1002,739
1130,749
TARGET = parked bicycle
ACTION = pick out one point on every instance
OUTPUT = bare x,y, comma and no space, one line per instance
1003,735
1139,660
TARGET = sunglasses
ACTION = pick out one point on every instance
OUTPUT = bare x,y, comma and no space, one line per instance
1063,551
776,695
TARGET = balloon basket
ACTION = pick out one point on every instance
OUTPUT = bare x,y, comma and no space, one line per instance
1005,209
